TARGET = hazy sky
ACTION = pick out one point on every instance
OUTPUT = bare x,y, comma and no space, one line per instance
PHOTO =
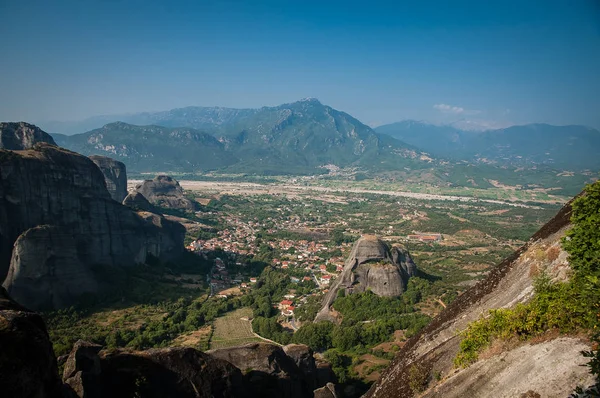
506,62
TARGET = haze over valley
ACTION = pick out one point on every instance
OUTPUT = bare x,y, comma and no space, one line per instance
278,199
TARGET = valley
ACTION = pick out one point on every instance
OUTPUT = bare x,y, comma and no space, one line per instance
261,257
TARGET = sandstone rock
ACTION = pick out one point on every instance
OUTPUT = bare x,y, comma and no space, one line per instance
115,176
137,201
371,265
165,372
27,363
45,270
19,136
165,191
551,368
302,355
48,185
327,391
268,371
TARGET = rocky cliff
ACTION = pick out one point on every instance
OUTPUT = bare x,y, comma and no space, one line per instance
371,265
270,372
27,364
18,136
50,186
549,368
165,191
115,176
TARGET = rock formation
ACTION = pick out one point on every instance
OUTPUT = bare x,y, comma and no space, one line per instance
165,372
165,191
19,136
115,176
27,363
138,202
371,265
51,186
269,372
549,369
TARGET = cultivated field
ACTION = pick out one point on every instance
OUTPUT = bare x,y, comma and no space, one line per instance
233,329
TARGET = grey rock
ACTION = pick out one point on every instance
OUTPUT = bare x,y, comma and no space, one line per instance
327,391
45,270
268,371
19,136
165,191
302,355
164,372
137,201
371,265
49,185
27,363
115,176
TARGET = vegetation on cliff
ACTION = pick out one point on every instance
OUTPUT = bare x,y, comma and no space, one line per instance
567,307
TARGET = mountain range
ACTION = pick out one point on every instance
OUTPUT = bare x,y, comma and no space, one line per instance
300,137
562,147
304,136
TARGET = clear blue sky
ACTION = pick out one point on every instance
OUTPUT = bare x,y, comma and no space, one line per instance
505,62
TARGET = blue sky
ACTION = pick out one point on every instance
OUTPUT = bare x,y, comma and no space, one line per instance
492,64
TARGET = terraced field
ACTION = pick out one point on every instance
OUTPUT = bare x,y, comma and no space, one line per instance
233,329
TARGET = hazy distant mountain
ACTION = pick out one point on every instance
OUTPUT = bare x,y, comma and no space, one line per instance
151,148
568,147
292,138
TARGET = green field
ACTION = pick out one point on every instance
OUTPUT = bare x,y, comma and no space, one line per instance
233,329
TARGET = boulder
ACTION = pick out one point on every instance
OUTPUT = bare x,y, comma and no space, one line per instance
371,265
155,373
327,391
27,363
165,191
302,355
268,371
19,136
115,176
137,201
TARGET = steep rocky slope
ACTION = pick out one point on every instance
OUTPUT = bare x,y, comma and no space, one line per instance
50,186
18,136
115,176
165,191
551,369
371,265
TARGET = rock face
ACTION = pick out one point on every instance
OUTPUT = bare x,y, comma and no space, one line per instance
165,191
27,363
371,265
45,270
51,186
19,136
115,176
269,372
550,369
165,372
137,201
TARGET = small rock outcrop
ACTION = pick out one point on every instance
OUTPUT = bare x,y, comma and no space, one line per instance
166,372
115,176
27,363
268,371
50,186
138,202
165,191
371,265
20,136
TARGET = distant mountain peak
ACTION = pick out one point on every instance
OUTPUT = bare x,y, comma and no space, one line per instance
310,99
